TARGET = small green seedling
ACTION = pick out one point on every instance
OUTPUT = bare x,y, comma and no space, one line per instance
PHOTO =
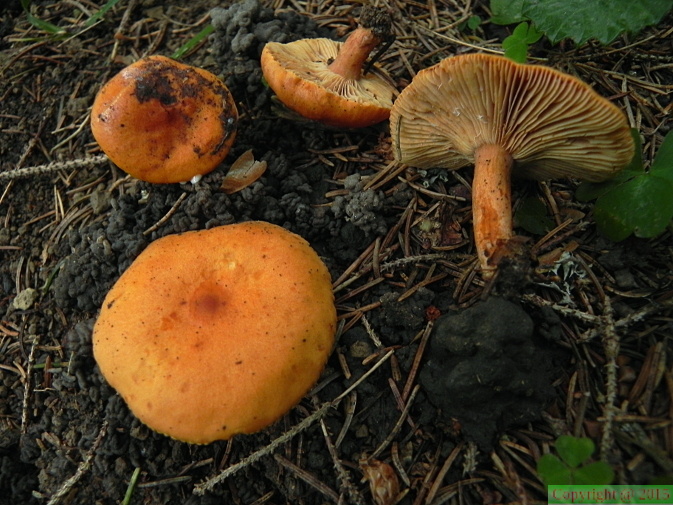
131,487
581,20
516,45
193,42
59,33
636,201
571,467
40,24
472,23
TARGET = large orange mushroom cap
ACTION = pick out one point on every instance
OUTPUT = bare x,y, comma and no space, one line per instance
218,332
163,121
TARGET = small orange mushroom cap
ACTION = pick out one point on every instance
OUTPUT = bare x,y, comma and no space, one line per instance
325,80
299,74
163,121
217,332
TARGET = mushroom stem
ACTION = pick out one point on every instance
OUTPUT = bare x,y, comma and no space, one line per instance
354,52
491,204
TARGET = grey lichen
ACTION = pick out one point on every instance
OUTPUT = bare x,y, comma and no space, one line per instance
360,206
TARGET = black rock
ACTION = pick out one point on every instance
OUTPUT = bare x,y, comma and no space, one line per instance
485,370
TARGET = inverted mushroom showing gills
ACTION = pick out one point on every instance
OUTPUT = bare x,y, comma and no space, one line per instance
163,121
323,79
506,119
213,333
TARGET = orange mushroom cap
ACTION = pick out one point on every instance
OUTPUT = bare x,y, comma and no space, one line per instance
163,121
217,332
322,79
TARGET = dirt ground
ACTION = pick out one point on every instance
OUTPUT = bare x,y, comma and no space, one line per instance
579,344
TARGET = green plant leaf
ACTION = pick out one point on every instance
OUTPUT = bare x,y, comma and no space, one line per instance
473,22
553,471
516,45
636,163
637,202
532,34
581,20
588,191
515,49
642,206
531,215
574,451
593,474
193,42
39,23
507,12
101,12
662,166
592,190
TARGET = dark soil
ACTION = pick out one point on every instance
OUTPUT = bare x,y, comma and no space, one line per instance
499,379
488,355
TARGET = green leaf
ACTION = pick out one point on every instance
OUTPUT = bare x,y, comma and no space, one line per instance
515,49
193,42
553,471
532,34
101,12
642,206
636,164
593,474
473,22
531,215
39,23
131,487
574,451
516,45
592,190
662,166
581,20
507,12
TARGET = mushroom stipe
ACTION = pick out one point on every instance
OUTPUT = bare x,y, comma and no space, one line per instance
213,333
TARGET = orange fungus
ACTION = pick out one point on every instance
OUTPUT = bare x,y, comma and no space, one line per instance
217,332
163,121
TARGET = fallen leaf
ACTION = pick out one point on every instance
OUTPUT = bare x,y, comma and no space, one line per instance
243,172
383,482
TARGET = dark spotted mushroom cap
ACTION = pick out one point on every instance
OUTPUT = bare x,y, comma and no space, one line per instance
163,121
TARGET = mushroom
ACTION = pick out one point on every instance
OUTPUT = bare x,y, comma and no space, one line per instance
213,333
323,79
505,117
163,121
